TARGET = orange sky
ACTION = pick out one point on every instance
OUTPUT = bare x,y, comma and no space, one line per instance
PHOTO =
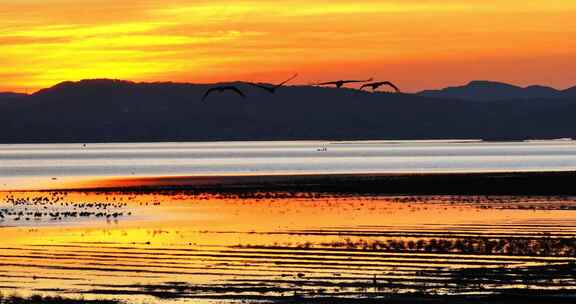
417,43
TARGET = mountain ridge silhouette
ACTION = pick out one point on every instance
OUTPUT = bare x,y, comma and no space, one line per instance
103,110
12,95
493,90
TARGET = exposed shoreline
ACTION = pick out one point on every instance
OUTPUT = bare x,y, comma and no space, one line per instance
504,183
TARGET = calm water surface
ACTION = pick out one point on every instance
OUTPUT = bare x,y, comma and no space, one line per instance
50,166
175,247
179,247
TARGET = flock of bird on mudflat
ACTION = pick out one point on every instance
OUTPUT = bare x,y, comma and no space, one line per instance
272,89
54,208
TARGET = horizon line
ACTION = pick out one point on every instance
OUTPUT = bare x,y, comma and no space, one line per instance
28,91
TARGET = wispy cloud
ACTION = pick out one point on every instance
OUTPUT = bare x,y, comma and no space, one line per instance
46,41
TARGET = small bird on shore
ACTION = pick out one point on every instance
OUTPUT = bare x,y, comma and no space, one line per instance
340,83
221,89
273,89
376,85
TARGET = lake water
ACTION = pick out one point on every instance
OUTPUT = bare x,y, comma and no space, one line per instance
53,166
216,248
179,246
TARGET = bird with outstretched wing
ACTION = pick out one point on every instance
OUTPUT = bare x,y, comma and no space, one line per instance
272,89
340,83
221,89
376,85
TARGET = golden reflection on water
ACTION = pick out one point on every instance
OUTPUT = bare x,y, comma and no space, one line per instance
206,239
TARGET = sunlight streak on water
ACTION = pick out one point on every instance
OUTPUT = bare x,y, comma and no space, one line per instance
189,246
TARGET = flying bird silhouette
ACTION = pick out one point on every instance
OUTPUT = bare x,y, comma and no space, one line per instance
376,85
222,89
340,83
273,89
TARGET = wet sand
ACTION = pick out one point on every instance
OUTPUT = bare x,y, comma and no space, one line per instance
293,247
495,183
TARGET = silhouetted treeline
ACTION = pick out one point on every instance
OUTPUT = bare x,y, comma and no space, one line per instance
118,111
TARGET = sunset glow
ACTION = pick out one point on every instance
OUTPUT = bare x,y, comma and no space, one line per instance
419,44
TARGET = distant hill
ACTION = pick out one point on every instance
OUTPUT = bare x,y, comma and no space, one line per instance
489,90
8,98
10,95
570,92
120,111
